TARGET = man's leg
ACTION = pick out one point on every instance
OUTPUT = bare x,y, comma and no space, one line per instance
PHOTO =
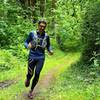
39,66
31,65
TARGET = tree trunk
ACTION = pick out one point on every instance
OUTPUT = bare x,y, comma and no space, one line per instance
32,2
42,7
53,16
28,2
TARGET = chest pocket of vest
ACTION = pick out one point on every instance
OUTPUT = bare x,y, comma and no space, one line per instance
39,42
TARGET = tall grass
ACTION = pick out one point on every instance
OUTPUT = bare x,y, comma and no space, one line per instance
75,84
18,70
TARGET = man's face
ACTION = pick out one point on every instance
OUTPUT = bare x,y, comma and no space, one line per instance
41,27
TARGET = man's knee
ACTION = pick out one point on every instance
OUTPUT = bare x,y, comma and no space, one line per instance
37,76
30,71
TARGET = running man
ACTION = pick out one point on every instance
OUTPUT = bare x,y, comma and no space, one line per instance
36,41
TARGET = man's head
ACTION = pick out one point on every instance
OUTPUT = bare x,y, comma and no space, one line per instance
41,26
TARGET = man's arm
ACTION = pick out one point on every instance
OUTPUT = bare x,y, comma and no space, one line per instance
28,40
49,49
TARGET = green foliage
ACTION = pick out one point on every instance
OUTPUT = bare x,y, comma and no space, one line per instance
68,24
14,27
19,51
7,61
77,81
91,32
81,81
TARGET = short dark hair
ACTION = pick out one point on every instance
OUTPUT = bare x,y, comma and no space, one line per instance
42,21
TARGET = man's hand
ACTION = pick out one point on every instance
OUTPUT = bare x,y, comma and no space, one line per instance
30,45
50,52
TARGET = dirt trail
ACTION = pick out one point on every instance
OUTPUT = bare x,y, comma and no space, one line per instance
45,82
42,85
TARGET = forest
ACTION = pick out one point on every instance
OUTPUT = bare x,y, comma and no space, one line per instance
73,71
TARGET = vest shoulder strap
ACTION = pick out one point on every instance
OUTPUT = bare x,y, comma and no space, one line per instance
35,34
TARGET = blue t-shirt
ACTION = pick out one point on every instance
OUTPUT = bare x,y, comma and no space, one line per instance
38,51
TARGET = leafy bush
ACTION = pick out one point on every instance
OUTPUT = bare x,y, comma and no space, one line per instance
19,51
7,61
14,27
68,25
91,32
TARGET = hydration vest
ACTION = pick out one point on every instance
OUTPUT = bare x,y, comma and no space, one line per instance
39,42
